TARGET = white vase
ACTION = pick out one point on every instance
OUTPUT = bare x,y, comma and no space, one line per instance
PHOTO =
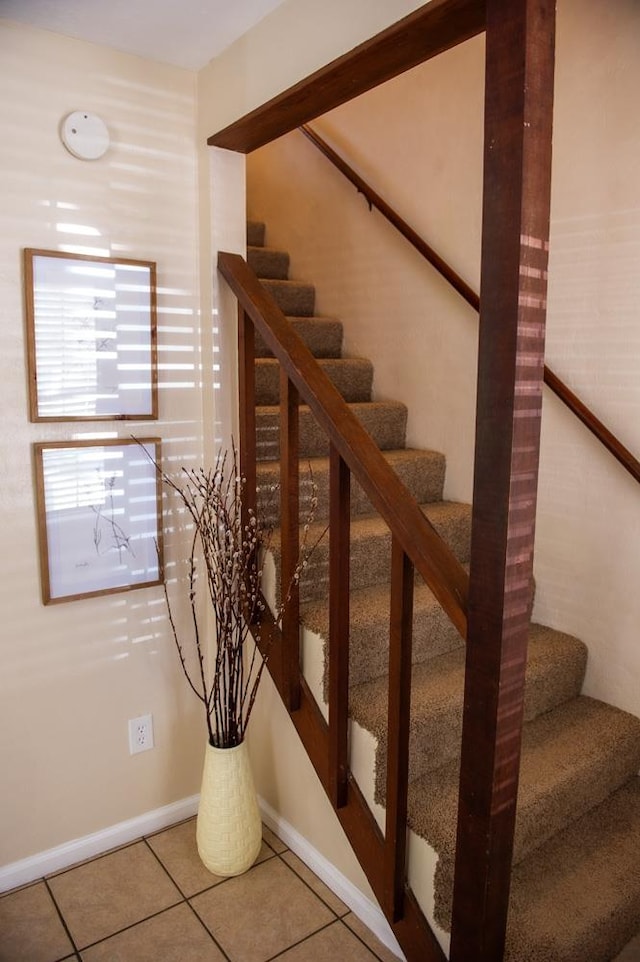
228,828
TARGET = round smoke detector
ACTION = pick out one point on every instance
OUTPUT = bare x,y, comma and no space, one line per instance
85,135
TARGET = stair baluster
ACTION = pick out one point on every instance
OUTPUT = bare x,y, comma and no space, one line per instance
339,544
290,539
400,639
247,412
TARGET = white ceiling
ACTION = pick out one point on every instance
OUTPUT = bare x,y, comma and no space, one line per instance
187,33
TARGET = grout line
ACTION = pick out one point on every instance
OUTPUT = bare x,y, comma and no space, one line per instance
294,945
311,889
184,899
62,918
164,868
126,928
208,930
361,940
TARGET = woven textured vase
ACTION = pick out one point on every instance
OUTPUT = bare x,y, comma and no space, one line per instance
229,829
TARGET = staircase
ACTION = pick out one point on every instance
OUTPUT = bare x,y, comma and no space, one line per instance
576,879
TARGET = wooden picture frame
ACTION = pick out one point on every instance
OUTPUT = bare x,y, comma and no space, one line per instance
91,325
99,516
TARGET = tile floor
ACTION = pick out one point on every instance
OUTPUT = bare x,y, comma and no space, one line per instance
153,901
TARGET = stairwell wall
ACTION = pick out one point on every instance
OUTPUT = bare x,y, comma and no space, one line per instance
418,141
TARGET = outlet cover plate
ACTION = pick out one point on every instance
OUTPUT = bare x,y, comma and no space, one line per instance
140,734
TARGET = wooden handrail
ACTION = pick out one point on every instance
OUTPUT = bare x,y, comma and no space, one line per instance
590,421
432,558
375,200
382,857
553,382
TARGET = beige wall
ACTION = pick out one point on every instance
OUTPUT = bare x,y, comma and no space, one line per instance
418,140
73,674
290,43
589,521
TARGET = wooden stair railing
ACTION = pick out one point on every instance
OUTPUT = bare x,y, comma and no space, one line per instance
553,382
519,62
415,544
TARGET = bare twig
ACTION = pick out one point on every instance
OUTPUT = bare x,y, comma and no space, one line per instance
231,554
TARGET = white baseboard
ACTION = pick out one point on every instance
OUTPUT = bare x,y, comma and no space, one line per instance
62,856
366,910
79,849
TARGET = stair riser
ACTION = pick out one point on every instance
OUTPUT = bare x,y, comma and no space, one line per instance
255,233
573,757
577,793
323,337
386,425
352,378
268,263
370,554
435,740
433,635
424,478
295,299
598,832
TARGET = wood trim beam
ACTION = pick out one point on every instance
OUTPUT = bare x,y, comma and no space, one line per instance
517,180
428,31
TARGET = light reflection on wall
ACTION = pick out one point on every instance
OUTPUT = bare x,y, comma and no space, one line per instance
93,337
138,202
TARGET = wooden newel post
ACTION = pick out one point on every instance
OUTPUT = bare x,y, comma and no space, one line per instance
517,175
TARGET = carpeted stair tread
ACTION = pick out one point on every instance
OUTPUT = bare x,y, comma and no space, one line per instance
292,297
572,758
433,632
322,335
352,376
370,555
268,262
452,521
255,233
421,471
386,422
555,672
577,898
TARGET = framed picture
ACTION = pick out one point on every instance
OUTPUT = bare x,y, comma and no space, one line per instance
99,517
91,337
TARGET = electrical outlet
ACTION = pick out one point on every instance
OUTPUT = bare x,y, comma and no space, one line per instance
140,734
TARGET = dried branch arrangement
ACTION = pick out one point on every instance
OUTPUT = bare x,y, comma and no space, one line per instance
228,549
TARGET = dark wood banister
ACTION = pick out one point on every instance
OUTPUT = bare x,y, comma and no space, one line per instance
559,388
432,558
383,855
375,200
